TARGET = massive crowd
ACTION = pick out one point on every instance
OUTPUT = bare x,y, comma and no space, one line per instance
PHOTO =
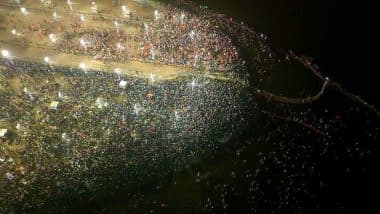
180,38
175,37
63,125
66,131
63,129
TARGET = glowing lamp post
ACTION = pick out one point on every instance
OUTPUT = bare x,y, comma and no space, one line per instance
47,60
55,15
24,11
83,66
117,26
94,7
14,32
125,11
70,3
156,14
5,54
53,38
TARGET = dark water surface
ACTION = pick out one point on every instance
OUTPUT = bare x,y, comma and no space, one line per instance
338,35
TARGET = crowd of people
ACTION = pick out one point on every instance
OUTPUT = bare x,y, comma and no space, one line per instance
100,44
64,129
180,38
97,124
67,134
175,37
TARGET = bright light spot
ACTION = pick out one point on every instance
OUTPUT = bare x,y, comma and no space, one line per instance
5,53
23,10
65,137
118,70
55,15
117,25
192,34
82,42
82,66
120,46
193,84
125,10
46,59
123,84
156,14
94,7
136,109
53,37
176,115
152,77
70,3
3,132
14,31
82,17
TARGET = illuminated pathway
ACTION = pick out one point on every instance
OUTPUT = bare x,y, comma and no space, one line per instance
25,44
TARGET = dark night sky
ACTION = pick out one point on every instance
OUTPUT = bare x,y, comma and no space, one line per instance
339,35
